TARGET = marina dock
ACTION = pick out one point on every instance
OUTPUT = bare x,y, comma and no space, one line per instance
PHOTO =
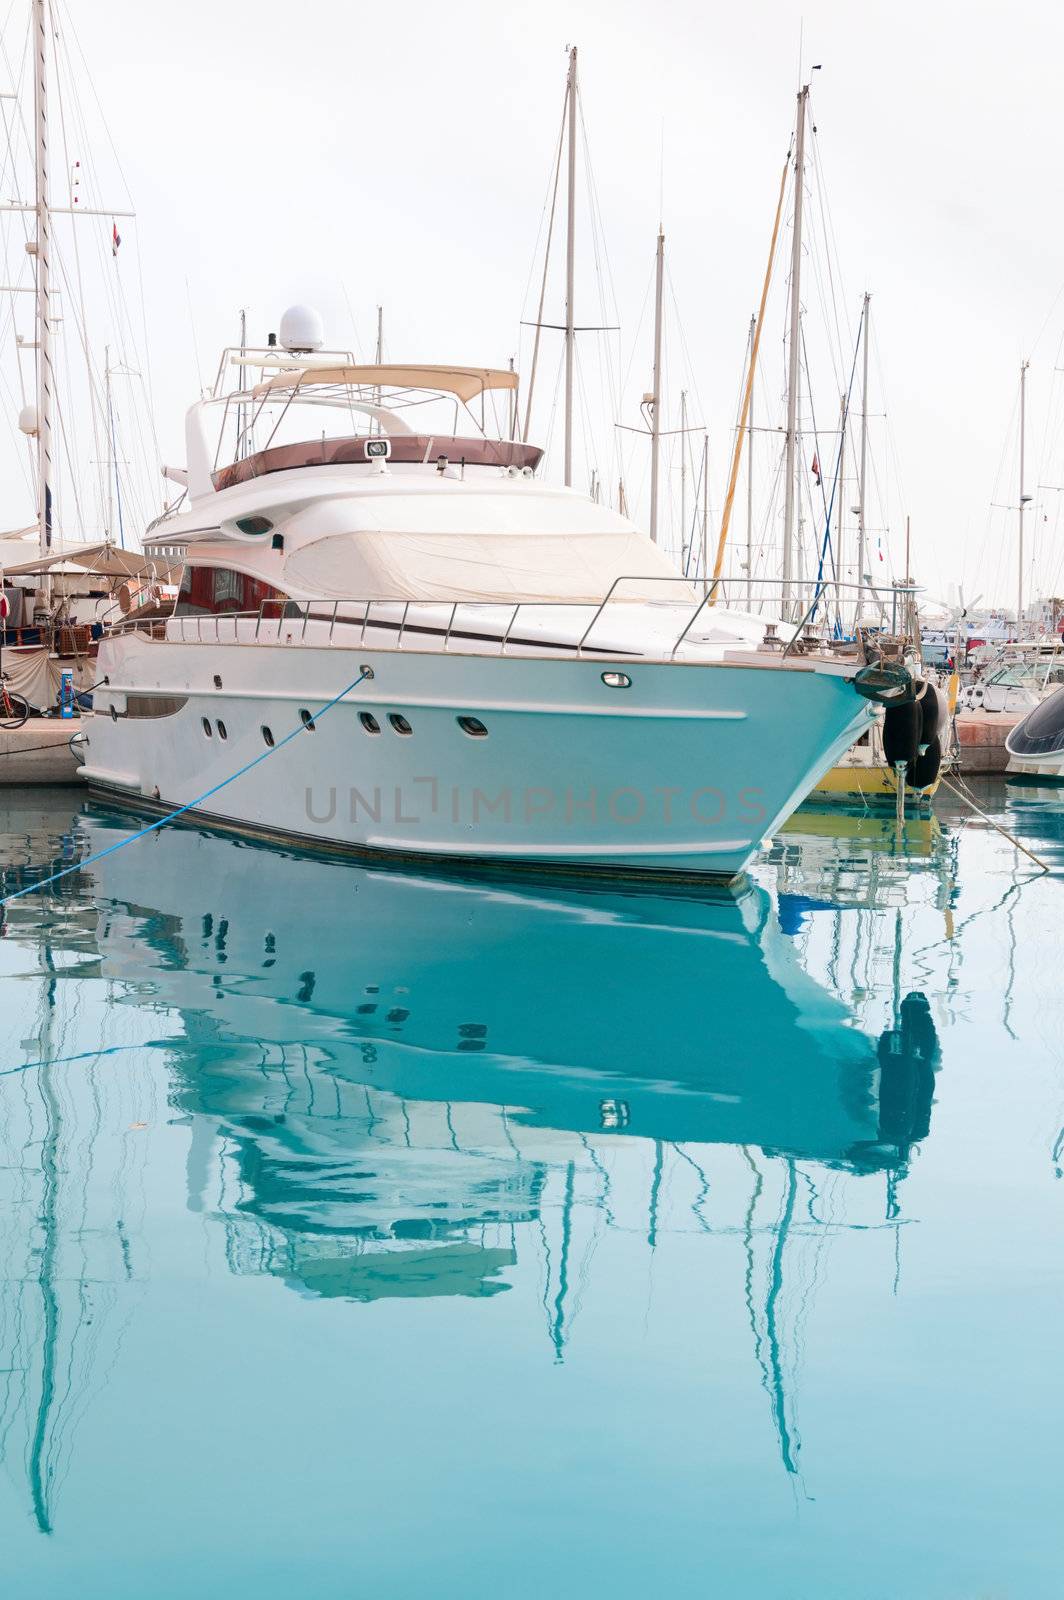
39,752
981,739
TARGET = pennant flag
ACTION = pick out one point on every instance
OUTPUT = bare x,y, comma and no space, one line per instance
816,469
116,239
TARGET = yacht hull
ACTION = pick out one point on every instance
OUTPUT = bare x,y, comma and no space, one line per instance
679,769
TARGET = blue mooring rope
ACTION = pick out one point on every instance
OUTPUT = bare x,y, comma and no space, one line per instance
161,823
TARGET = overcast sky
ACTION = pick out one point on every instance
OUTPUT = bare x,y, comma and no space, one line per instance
350,155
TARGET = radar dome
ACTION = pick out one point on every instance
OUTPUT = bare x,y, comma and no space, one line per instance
301,329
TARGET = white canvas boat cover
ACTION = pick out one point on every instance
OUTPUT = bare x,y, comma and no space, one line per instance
34,673
487,547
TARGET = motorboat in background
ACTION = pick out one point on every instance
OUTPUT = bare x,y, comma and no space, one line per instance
482,668
1036,745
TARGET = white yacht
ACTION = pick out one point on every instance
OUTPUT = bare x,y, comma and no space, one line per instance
481,667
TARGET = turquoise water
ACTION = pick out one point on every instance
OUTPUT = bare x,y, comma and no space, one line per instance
388,1235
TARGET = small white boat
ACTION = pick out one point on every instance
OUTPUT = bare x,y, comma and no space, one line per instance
1036,745
482,668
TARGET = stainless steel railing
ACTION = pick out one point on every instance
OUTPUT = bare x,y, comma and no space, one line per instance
528,624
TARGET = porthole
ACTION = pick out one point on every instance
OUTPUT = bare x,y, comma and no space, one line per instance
306,719
222,732
473,726
616,680
267,736
369,722
399,722
208,730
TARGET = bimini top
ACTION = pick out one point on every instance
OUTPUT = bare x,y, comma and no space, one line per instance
465,382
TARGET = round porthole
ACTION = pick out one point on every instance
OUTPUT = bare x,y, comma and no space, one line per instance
222,733
399,722
306,719
473,726
369,722
267,736
616,680
208,730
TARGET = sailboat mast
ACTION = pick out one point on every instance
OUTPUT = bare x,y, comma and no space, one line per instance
794,350
705,508
655,405
241,414
110,457
114,482
570,274
840,568
379,361
683,473
1023,495
862,533
42,250
909,608
750,476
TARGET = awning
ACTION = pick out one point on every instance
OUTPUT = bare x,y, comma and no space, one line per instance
97,560
465,382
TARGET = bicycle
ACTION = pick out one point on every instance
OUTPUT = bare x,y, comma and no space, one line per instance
14,709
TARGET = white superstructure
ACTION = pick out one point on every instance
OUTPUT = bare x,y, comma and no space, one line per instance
528,678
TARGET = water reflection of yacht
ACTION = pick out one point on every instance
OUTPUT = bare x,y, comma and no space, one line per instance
391,1079
401,1086
668,1018
407,1006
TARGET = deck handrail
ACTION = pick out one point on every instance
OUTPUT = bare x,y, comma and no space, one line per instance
427,617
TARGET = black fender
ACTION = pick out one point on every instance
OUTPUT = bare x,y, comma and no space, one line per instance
927,766
901,732
935,719
931,716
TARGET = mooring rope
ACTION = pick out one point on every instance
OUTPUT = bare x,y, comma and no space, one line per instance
304,727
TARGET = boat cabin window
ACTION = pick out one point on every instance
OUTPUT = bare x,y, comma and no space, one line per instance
213,591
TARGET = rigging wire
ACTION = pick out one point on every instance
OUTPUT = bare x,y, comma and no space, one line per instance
608,307
87,75
838,463
553,192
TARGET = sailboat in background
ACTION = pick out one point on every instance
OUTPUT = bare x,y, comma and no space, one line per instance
910,738
571,138
58,598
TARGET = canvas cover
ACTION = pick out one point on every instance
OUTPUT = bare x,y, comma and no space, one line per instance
476,545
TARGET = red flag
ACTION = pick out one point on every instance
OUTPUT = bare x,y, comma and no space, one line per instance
116,239
816,469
